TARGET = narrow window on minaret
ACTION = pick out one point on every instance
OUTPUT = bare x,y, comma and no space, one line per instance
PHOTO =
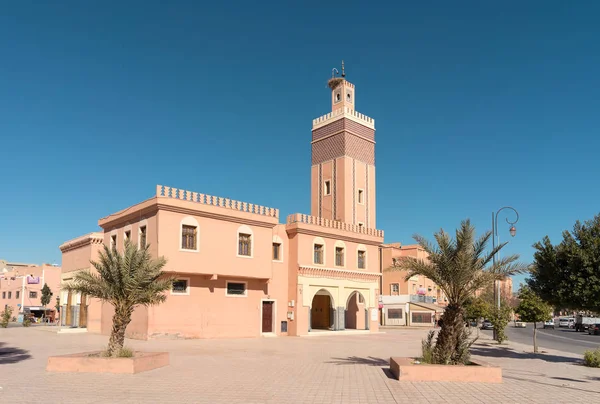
361,198
327,187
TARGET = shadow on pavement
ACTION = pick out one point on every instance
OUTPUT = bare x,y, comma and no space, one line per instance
355,360
10,355
505,352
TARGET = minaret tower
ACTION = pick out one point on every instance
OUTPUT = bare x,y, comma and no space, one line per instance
343,159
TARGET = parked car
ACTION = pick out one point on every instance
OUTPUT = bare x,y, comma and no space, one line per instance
549,324
594,329
567,322
487,325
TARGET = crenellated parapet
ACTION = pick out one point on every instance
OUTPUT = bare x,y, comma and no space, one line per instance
343,113
333,224
204,199
87,239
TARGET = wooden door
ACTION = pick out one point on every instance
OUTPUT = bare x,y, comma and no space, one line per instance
267,317
320,312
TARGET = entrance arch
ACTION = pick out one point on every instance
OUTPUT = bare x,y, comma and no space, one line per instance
321,311
356,312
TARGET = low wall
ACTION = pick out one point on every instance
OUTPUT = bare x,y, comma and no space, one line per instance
478,371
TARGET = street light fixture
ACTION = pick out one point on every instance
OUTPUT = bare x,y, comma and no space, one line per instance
513,232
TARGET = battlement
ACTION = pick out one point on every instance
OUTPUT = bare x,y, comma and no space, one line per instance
174,193
343,113
333,224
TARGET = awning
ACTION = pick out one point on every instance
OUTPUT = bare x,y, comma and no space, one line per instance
429,306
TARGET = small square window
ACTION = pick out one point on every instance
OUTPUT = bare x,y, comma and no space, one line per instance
17,294
33,295
277,251
327,187
180,287
361,196
188,237
339,256
143,237
318,253
236,289
245,244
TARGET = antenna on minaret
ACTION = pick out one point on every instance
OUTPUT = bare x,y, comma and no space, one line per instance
343,71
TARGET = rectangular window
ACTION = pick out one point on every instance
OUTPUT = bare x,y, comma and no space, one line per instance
236,289
180,286
18,294
188,237
113,241
277,251
421,318
327,187
395,314
362,255
339,256
143,237
361,299
318,256
33,295
10,295
245,244
394,289
127,237
4,295
361,197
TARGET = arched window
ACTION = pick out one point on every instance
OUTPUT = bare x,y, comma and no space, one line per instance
245,247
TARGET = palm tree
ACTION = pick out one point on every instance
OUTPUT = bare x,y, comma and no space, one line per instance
459,267
124,280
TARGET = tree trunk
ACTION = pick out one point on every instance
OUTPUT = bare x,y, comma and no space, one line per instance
68,309
83,312
535,348
446,342
121,320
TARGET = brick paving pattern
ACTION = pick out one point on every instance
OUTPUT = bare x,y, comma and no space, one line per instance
326,369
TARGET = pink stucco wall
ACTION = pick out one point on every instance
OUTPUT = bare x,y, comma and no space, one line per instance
19,287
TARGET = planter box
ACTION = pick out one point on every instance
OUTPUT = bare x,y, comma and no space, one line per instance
84,363
478,371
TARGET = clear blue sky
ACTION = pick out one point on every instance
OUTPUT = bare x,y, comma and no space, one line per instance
477,105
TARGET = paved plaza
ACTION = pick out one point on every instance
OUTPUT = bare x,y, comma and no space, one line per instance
321,369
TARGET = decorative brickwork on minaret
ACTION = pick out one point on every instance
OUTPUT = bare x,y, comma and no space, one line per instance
343,161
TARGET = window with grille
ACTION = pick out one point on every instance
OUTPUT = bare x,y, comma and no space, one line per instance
339,256
143,237
395,314
236,289
33,295
18,294
10,295
277,251
180,286
318,253
4,295
188,237
362,259
394,289
421,317
245,244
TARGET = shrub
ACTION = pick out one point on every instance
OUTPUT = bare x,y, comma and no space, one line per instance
26,322
461,355
427,348
592,358
121,353
5,317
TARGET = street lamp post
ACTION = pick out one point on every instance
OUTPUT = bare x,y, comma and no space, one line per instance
513,232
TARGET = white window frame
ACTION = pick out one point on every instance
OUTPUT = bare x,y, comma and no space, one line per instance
320,241
392,288
279,240
187,221
245,289
363,248
360,196
187,288
243,229
326,187
342,245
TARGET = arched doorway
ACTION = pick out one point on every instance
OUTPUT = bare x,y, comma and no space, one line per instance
321,311
356,312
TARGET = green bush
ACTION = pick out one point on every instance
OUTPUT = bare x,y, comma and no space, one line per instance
427,348
592,358
26,322
5,317
121,353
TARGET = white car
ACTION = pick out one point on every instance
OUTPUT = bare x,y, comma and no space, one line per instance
567,322
549,324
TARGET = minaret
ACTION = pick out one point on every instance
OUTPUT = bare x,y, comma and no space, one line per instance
343,159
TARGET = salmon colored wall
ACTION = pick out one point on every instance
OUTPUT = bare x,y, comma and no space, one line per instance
278,284
346,172
137,329
300,322
327,205
372,223
314,190
134,226
217,248
51,277
360,183
341,208
76,259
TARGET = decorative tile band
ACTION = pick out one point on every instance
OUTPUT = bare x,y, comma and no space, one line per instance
333,224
